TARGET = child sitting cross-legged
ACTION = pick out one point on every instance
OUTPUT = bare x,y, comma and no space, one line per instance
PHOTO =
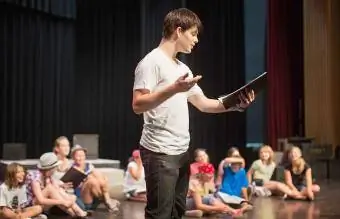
14,203
43,190
260,174
200,200
234,186
95,188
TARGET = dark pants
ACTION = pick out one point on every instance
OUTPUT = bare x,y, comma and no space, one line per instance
167,179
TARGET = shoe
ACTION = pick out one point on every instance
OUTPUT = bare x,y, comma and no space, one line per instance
194,213
259,191
267,192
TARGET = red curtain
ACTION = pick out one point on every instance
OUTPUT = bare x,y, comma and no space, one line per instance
285,69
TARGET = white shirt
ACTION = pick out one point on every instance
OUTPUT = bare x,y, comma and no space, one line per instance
130,183
7,196
166,127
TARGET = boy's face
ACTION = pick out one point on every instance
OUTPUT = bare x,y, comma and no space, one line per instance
235,167
186,40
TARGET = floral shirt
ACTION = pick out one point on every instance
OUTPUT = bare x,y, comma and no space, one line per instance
35,176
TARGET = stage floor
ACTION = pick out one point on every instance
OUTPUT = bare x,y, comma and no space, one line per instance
325,206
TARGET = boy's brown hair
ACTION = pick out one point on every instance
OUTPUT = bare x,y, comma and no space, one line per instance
181,17
10,175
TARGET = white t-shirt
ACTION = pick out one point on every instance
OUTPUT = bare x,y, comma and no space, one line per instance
130,184
166,127
13,198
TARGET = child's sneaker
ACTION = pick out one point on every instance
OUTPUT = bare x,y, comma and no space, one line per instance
267,192
194,213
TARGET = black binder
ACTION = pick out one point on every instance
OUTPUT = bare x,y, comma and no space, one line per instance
257,85
74,176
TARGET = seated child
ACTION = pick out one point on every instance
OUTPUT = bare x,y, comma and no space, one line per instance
260,174
200,200
43,190
234,187
95,188
298,176
134,180
13,196
233,155
201,157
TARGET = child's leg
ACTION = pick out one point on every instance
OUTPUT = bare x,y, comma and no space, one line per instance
8,213
89,190
77,210
104,185
32,211
310,193
280,187
51,191
99,188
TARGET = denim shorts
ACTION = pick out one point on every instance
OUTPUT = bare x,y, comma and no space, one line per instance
300,187
207,200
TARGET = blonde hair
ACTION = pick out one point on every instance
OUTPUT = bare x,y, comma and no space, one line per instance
298,165
196,152
10,175
57,142
267,148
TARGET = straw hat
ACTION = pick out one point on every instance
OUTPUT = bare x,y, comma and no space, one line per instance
48,161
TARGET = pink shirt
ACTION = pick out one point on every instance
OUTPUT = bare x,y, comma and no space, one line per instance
194,170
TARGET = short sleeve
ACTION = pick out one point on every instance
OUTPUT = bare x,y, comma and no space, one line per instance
146,76
288,167
3,201
255,165
195,90
90,168
244,179
132,165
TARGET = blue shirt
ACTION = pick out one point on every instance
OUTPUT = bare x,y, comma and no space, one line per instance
233,182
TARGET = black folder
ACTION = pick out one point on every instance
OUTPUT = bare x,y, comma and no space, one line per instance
74,176
3,168
257,85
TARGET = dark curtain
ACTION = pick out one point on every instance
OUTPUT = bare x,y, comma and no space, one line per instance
109,46
220,58
59,8
36,68
108,50
65,77
285,69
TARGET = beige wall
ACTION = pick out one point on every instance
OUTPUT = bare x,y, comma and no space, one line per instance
322,70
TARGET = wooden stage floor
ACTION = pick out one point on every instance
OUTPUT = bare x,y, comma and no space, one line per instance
326,205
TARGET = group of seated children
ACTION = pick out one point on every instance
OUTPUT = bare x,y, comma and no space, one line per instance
234,186
30,194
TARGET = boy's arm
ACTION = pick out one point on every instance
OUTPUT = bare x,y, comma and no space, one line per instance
207,105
